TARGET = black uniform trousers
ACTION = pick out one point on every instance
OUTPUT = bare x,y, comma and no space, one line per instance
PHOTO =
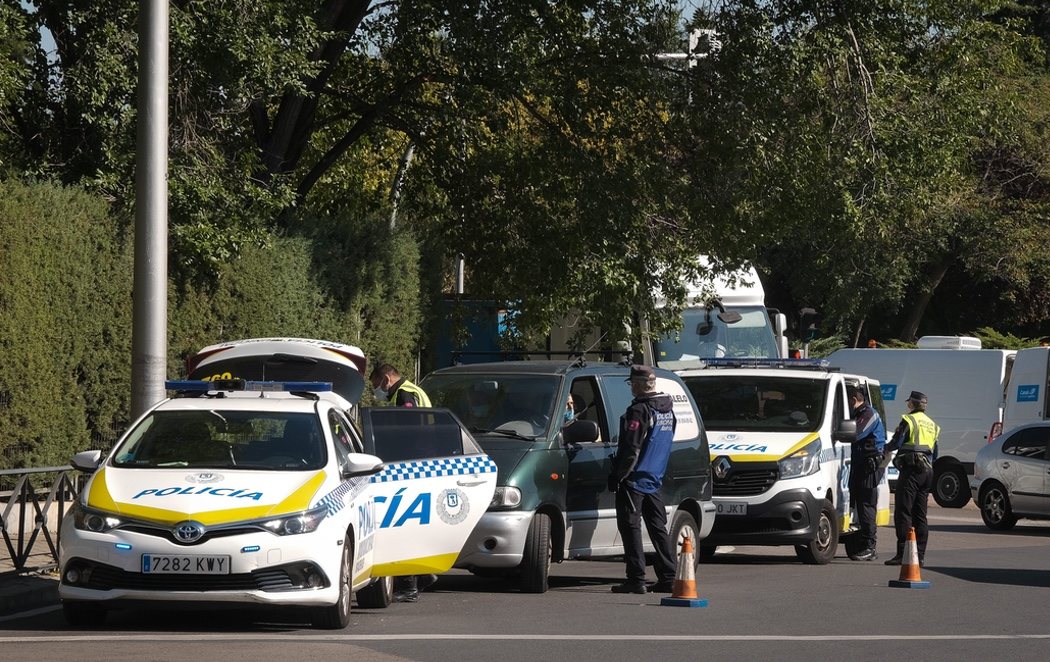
909,510
631,508
864,491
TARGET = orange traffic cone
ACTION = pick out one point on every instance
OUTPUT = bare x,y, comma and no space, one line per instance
683,592
910,575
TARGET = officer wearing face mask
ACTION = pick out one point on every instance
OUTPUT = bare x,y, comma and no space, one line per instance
570,412
391,388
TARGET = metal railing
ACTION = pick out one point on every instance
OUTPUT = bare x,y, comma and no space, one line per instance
28,506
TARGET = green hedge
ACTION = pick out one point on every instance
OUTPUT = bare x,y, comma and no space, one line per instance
65,310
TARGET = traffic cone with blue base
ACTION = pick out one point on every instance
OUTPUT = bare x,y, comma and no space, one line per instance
910,575
683,593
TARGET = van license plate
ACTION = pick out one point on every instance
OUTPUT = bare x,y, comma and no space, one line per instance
731,507
185,564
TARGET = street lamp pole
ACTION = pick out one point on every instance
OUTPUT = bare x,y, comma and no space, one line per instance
149,338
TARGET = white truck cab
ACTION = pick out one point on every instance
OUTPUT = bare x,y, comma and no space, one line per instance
1026,391
779,433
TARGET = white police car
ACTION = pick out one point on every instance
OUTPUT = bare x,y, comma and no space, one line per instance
260,493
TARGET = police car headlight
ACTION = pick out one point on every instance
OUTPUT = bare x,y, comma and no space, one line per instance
86,519
803,462
506,497
292,525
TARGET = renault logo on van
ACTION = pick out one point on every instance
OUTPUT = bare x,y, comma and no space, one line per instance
721,467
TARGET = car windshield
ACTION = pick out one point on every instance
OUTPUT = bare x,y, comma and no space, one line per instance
223,439
770,404
514,406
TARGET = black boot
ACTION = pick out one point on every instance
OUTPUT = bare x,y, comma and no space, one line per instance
406,589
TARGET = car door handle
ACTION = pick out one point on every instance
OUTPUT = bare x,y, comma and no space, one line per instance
469,483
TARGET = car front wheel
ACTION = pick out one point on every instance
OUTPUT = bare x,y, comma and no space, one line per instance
995,508
337,616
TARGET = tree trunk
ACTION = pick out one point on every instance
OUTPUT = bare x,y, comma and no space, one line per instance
918,308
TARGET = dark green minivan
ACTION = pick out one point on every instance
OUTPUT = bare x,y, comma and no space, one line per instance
551,500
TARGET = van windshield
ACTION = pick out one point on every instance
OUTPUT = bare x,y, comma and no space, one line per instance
513,406
769,404
705,336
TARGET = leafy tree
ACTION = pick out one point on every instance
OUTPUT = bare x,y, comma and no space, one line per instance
843,138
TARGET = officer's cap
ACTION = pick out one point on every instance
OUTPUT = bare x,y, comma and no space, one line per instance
641,372
918,397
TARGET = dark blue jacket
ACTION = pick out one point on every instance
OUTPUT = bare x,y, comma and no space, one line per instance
646,435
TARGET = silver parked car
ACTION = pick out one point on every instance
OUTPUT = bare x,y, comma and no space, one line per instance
1012,477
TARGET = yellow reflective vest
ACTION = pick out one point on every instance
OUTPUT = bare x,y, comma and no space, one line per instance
409,387
922,433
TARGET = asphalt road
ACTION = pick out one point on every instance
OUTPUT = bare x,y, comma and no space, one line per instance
988,600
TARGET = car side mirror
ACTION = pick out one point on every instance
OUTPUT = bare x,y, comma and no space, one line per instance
845,432
579,432
361,464
87,461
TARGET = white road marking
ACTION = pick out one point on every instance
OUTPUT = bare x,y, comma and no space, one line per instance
284,638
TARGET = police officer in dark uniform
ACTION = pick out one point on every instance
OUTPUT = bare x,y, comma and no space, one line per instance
866,454
915,441
646,434
391,388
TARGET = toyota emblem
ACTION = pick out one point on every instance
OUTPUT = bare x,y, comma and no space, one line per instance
721,467
187,532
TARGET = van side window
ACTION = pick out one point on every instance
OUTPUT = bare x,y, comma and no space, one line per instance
617,398
587,403
839,412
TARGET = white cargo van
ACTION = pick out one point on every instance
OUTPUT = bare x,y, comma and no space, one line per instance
779,433
966,388
1026,392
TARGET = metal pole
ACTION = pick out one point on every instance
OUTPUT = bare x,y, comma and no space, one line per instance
149,341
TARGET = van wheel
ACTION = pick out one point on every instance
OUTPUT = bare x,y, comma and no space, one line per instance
337,616
536,561
684,526
825,541
995,508
377,595
950,488
84,614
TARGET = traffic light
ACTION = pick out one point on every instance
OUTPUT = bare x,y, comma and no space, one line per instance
808,324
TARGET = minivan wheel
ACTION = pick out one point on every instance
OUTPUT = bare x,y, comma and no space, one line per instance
536,560
684,526
821,549
950,488
995,508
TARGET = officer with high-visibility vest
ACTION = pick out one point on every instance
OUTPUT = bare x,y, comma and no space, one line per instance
915,441
390,387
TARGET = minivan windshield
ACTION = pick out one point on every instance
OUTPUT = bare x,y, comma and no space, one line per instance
509,405
769,404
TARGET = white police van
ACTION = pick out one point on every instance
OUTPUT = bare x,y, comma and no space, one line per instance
237,492
779,432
